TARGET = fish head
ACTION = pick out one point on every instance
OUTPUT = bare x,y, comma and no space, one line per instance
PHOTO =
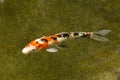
34,45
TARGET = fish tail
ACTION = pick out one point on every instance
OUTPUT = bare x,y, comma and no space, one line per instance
99,35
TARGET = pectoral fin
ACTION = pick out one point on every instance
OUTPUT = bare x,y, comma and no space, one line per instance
62,46
52,50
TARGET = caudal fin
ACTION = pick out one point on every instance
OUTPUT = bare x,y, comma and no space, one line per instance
99,35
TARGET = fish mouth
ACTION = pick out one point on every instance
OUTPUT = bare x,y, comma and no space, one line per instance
27,50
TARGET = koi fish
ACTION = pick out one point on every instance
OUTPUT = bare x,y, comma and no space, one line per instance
53,42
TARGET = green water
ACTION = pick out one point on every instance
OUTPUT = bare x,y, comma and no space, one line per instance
24,20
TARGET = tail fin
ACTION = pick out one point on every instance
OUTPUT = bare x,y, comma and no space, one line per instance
99,35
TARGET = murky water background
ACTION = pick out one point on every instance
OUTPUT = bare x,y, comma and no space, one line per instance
24,20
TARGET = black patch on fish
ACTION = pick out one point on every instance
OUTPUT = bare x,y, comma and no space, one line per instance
44,40
59,36
54,38
76,34
36,41
85,35
66,35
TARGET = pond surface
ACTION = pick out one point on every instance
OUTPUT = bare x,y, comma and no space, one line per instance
24,20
